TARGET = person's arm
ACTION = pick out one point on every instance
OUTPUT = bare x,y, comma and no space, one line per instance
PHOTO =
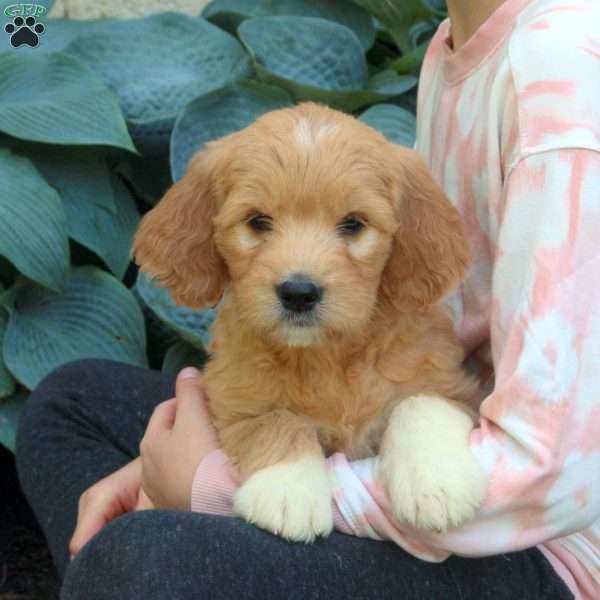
538,436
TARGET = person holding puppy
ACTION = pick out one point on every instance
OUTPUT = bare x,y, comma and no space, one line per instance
509,125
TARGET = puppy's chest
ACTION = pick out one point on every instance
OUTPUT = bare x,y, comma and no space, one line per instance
349,410
347,391
345,402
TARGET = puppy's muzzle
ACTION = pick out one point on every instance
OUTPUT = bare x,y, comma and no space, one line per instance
299,294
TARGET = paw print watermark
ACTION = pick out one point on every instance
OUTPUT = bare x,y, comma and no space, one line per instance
24,31
25,28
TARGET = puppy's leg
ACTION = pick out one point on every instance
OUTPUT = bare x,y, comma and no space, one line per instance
287,489
432,478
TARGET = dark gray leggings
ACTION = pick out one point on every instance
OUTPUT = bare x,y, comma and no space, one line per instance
86,420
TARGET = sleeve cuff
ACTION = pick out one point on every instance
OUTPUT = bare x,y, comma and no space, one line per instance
214,485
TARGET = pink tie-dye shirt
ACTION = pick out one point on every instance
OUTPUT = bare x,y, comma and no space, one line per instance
510,127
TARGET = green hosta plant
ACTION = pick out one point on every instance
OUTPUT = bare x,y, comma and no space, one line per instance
102,116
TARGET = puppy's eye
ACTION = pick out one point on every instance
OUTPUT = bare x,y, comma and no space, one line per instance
350,225
260,223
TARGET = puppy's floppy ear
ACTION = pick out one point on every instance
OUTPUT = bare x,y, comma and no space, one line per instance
175,242
430,253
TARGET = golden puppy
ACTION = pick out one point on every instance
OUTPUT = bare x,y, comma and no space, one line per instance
331,249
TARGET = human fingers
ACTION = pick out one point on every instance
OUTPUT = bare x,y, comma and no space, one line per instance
162,419
144,503
104,501
192,408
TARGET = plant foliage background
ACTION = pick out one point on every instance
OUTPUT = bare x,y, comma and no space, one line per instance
100,118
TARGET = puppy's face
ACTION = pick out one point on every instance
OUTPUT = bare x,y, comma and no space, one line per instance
305,229
309,218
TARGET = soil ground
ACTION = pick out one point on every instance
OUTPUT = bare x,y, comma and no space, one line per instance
26,569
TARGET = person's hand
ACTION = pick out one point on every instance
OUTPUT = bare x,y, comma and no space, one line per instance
106,500
179,435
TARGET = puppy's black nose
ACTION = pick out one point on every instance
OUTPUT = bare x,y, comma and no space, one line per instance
299,294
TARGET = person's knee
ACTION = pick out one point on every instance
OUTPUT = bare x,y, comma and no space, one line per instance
72,375
107,565
158,554
52,397
56,384
135,556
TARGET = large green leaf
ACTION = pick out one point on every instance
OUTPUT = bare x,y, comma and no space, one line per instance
228,14
95,317
307,50
101,214
157,64
315,59
7,382
56,99
77,174
60,33
348,101
218,113
396,123
389,84
399,16
33,231
10,410
192,325
98,217
108,235
181,355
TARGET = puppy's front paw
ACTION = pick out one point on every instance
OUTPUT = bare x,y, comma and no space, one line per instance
433,480
433,493
292,500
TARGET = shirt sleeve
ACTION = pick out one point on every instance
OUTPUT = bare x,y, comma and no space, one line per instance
215,482
538,436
